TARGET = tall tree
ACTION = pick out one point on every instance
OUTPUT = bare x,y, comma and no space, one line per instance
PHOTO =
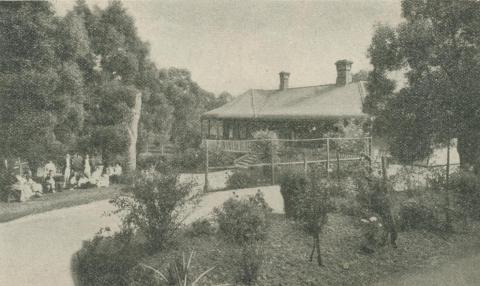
438,49
42,88
124,66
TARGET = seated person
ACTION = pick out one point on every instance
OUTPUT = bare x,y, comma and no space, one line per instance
83,181
36,188
50,182
50,169
96,175
116,173
74,180
22,189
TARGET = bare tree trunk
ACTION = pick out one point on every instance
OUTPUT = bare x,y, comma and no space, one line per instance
319,253
133,133
313,249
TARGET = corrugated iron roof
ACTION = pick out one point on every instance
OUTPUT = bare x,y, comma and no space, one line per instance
311,102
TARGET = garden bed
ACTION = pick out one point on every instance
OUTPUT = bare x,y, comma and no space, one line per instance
52,201
287,249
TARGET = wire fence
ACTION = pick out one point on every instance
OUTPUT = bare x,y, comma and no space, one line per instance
281,154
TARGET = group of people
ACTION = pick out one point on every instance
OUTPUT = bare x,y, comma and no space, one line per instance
77,174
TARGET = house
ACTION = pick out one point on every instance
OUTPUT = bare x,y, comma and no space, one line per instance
293,113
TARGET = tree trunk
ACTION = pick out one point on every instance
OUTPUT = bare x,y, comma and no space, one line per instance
319,253
133,133
468,147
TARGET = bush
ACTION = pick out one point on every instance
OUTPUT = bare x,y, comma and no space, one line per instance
189,160
155,206
179,273
244,220
156,162
250,262
7,179
245,178
201,227
292,184
465,187
374,234
415,215
106,261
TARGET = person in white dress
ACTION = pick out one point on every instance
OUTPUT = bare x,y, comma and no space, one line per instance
88,170
68,171
50,169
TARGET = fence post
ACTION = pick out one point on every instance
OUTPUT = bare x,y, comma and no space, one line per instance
206,186
305,164
338,166
448,219
273,163
328,156
384,169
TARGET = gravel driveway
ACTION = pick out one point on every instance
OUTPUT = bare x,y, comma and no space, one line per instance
37,250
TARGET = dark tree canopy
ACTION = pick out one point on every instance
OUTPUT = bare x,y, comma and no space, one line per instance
438,49
69,84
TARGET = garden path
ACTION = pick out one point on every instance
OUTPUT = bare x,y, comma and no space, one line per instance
37,250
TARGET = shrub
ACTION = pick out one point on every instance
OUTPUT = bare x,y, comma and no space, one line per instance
156,162
292,184
201,227
244,220
250,262
7,178
179,273
374,234
466,188
415,215
312,207
190,160
245,178
374,199
106,261
155,206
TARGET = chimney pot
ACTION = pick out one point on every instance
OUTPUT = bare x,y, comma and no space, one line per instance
344,75
284,80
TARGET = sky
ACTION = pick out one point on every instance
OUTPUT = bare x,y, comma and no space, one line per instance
237,45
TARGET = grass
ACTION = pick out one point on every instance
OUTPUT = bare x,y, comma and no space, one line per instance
48,202
287,250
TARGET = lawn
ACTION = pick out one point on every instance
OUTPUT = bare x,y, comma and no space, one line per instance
287,249
48,202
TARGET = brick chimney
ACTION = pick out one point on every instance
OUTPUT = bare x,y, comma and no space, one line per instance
344,76
284,80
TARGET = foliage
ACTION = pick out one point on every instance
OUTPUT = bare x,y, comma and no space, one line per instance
190,159
201,227
417,215
373,233
70,86
373,195
436,49
292,184
155,206
250,263
179,272
244,220
266,146
312,208
245,178
7,178
105,261
465,187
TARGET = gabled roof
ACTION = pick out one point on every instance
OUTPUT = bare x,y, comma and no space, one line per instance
313,102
